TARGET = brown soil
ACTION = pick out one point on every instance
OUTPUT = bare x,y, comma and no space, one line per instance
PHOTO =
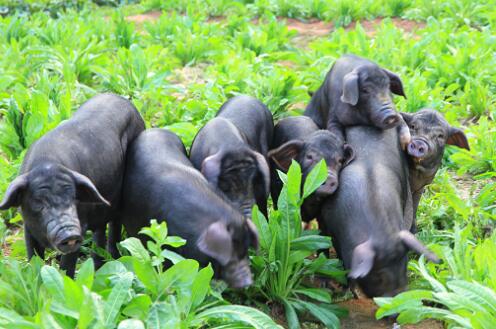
313,28
371,27
140,19
362,316
309,31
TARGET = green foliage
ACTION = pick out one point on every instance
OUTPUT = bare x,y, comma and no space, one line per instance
463,289
132,292
282,265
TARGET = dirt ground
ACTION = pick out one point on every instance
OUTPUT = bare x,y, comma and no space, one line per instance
362,316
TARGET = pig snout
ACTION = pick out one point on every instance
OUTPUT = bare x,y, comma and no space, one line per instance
238,274
328,187
389,117
417,148
69,240
64,230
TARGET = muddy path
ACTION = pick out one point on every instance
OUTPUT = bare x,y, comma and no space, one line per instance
362,316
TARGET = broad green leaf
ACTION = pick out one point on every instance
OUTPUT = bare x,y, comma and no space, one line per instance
86,273
320,295
201,286
163,316
174,257
311,242
291,316
138,307
116,299
264,234
146,274
315,178
174,241
251,316
136,248
53,282
326,316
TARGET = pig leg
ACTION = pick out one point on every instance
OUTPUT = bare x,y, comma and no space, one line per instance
32,246
404,133
68,263
114,237
99,240
336,128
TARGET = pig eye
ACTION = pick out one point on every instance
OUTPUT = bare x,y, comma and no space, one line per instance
412,127
309,157
440,136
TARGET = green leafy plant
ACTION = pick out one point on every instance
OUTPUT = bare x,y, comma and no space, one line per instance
283,264
134,291
460,293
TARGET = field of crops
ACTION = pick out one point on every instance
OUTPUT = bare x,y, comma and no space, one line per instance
178,61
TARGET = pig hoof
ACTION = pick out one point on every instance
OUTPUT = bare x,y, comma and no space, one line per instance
405,139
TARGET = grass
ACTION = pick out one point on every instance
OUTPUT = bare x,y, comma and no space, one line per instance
51,64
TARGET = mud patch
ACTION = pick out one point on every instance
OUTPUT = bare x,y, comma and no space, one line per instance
146,17
362,316
372,26
313,29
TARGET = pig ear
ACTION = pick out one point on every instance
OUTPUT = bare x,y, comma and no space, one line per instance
362,260
395,84
263,169
253,232
210,168
415,245
216,242
284,154
407,117
86,190
350,88
457,138
14,192
349,154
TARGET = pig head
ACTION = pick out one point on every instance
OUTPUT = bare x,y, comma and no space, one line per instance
238,172
48,196
430,134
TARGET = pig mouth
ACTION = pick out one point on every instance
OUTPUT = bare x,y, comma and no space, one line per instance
68,239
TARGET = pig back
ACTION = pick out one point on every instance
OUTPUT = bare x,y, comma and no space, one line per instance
374,199
252,118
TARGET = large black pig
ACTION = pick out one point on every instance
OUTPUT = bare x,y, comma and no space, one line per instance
161,183
371,214
430,134
231,150
299,138
70,180
356,91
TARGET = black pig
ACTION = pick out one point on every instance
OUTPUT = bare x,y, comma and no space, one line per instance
161,183
357,91
299,138
370,216
70,180
231,150
430,134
